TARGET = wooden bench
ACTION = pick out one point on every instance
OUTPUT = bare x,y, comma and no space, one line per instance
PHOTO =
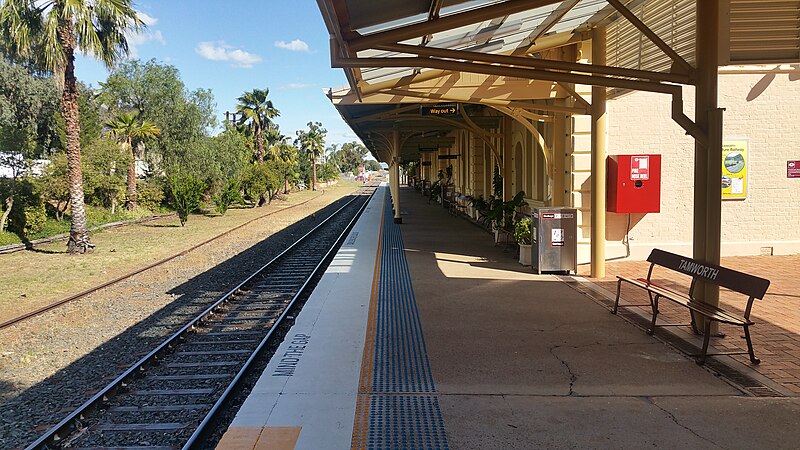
749,285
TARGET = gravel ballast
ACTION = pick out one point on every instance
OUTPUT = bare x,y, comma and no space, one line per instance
55,362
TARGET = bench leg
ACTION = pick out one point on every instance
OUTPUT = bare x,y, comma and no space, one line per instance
654,304
706,336
694,323
616,302
753,358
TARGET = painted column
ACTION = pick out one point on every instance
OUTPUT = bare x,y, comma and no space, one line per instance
507,167
394,176
599,138
708,159
559,157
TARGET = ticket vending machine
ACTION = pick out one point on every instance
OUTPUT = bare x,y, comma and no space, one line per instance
634,184
554,240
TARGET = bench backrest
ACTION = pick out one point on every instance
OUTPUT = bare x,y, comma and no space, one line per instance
734,280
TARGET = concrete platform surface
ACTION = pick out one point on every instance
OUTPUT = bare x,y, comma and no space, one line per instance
515,360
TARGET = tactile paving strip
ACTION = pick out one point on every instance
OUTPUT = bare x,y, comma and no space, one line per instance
397,406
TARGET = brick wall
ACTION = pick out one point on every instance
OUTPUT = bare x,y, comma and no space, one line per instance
769,217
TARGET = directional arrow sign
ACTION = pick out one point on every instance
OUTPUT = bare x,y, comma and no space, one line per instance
440,110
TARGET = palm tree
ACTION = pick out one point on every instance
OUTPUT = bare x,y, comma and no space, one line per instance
52,30
258,112
286,154
126,128
313,143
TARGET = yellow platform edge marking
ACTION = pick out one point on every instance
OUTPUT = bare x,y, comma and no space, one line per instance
361,422
259,438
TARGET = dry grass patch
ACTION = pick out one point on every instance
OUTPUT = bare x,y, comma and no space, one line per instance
32,279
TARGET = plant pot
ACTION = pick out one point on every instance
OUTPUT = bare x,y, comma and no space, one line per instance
525,254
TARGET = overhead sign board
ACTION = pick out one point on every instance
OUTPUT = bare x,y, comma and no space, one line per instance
428,149
448,156
440,110
793,169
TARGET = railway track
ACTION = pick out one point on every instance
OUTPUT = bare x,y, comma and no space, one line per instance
167,398
82,294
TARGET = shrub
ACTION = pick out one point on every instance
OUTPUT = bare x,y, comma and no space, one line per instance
54,186
522,231
7,238
259,180
186,193
227,195
150,194
28,215
104,173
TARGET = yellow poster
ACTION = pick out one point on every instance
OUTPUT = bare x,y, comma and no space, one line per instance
734,169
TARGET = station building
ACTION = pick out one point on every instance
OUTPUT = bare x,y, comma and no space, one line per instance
546,91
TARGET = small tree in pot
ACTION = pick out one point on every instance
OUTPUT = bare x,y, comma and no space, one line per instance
522,233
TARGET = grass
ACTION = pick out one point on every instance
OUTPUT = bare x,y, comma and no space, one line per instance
122,250
94,217
7,238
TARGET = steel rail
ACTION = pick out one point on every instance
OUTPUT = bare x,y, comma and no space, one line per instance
263,343
94,289
73,420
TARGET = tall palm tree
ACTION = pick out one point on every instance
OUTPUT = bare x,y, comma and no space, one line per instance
52,30
313,143
126,128
258,112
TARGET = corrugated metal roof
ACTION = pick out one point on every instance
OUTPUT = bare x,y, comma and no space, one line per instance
764,31
672,20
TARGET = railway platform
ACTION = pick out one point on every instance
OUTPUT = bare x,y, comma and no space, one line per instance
426,335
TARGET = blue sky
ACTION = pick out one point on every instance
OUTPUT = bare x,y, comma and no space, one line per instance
232,47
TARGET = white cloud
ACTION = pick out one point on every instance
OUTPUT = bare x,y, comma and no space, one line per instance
296,86
143,36
296,45
221,51
148,20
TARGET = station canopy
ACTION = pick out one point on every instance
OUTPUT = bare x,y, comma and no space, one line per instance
522,56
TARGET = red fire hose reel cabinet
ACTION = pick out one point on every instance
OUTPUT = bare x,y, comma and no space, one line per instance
634,184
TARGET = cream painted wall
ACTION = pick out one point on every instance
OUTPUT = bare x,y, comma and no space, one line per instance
769,217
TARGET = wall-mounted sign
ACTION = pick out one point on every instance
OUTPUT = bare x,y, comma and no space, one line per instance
425,163
640,167
448,156
734,169
440,109
793,169
428,149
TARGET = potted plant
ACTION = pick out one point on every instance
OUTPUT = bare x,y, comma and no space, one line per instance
522,233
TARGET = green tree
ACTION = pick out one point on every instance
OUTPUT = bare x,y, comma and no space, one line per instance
54,31
230,157
157,92
91,116
126,127
329,171
186,190
103,165
257,112
54,184
27,125
258,180
286,157
350,157
312,143
372,165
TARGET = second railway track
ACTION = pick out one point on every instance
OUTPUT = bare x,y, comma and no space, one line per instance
167,398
